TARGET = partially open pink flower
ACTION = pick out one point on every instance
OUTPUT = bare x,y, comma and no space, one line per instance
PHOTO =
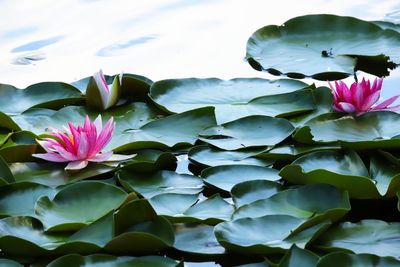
79,145
99,94
360,97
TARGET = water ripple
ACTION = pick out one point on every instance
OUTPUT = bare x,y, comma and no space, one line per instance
116,48
37,44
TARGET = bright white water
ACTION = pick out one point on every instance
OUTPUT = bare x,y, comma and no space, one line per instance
48,40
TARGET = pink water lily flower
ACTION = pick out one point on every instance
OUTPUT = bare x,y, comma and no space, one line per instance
80,144
99,94
360,97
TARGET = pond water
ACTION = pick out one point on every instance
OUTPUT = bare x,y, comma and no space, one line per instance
48,40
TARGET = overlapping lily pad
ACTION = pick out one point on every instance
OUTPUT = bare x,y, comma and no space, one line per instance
350,260
53,174
232,99
137,223
45,95
19,199
249,235
367,236
313,202
78,204
152,184
209,156
248,132
249,191
198,239
108,260
179,129
226,176
371,130
344,170
323,47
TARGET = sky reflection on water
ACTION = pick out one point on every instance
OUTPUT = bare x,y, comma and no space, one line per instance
47,40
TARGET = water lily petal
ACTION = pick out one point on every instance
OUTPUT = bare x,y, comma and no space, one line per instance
76,165
385,103
347,107
120,157
102,157
50,157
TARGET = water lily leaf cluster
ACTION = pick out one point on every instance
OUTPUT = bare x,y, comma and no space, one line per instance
241,172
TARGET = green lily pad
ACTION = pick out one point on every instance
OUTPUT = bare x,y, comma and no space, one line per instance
349,260
109,260
19,147
208,156
53,174
323,47
368,236
6,175
299,257
51,95
212,210
78,204
172,205
152,184
317,202
197,239
226,176
253,131
369,131
263,235
137,223
291,152
151,160
386,176
179,129
18,199
23,236
249,191
344,170
9,263
232,99
40,121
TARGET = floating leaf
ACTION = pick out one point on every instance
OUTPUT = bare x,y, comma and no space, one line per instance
315,202
109,260
268,234
253,131
197,239
78,204
152,184
249,191
344,170
226,176
53,174
137,223
371,130
367,236
150,160
18,199
52,95
208,156
299,257
323,47
232,99
167,132
9,263
349,260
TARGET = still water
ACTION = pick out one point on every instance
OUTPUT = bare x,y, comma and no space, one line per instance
47,40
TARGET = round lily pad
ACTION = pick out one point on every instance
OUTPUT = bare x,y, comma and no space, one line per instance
324,47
